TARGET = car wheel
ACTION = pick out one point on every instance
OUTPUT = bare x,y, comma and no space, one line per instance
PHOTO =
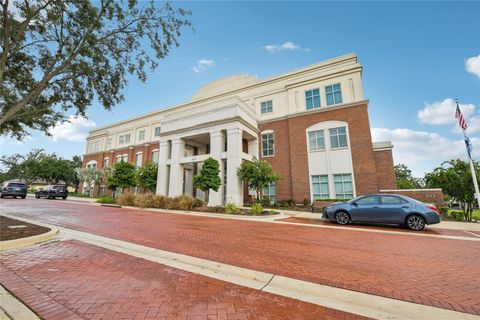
1,196
342,217
64,198
14,197
415,222
23,197
37,197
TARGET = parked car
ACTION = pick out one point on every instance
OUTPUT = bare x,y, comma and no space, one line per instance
53,191
385,209
13,189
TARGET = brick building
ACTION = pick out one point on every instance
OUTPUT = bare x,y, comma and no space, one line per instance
311,124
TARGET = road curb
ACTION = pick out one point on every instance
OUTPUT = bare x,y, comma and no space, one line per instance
14,308
28,241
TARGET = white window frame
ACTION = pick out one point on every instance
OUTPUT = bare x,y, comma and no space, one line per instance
106,162
320,183
124,138
272,149
158,155
337,137
271,195
343,195
157,131
312,97
138,155
333,94
317,134
141,135
266,107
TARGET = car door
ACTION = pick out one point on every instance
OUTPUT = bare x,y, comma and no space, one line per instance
365,209
393,209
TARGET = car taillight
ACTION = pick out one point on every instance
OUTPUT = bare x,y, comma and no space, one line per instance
433,208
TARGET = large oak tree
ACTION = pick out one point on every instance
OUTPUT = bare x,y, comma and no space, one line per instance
58,55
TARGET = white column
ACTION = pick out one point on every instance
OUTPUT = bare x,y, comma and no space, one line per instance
234,160
253,147
216,148
162,176
176,169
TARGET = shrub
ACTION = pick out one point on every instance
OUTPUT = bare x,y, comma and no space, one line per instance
183,202
289,203
306,202
144,201
231,208
158,201
456,215
265,202
443,210
168,203
105,199
126,199
197,203
257,209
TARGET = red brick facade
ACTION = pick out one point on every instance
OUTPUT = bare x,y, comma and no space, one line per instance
385,170
111,155
290,159
426,195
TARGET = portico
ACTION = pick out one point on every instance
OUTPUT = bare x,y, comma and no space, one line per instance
226,132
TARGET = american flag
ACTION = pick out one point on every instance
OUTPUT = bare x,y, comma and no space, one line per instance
461,119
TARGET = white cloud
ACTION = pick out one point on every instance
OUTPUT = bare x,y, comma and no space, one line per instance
74,129
272,48
423,151
443,112
472,65
203,64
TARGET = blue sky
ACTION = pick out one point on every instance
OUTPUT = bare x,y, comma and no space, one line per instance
414,56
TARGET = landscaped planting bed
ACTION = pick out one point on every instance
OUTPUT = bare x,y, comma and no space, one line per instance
11,229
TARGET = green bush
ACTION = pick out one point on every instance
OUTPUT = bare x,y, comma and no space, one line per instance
106,199
443,210
126,199
265,202
306,202
231,208
456,215
256,209
289,203
183,202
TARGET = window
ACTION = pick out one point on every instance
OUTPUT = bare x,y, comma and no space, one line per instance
266,106
155,156
122,158
270,191
141,135
316,140
392,200
312,98
109,143
334,94
138,160
106,162
124,139
157,131
97,145
268,145
320,187
369,201
125,158
343,186
338,137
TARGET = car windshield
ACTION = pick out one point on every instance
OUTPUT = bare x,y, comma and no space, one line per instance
16,185
58,187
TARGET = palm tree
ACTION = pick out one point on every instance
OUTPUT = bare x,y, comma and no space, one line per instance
90,176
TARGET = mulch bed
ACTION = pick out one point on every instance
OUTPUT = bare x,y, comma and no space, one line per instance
242,212
11,229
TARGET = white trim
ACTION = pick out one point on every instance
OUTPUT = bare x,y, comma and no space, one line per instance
410,190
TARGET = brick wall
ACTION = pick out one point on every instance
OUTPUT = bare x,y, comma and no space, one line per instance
423,195
290,160
385,169
131,151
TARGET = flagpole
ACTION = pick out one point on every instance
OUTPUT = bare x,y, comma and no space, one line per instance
472,167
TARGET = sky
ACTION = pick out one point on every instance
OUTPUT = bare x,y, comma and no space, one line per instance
417,58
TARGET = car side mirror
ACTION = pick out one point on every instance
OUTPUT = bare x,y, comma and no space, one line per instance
355,203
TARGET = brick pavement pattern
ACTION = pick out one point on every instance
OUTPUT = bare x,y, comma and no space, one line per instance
73,280
437,272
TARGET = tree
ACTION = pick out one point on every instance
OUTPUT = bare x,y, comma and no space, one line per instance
59,55
27,167
405,180
257,174
76,164
122,176
147,176
455,179
90,176
208,177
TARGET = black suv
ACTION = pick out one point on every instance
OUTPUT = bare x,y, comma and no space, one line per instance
53,191
13,189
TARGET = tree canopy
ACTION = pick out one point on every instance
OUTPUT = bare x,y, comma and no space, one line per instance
455,179
147,176
122,176
257,174
405,180
208,177
60,55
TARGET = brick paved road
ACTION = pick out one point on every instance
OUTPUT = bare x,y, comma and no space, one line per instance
72,280
437,272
